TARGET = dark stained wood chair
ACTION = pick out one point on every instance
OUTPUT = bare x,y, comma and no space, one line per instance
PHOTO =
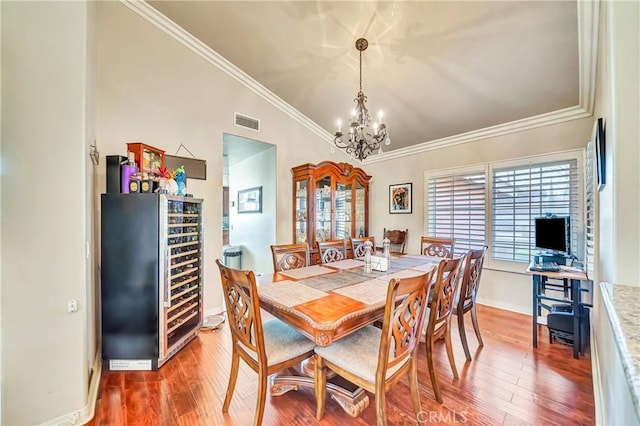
397,238
440,310
376,359
473,262
436,246
357,246
266,347
331,251
289,256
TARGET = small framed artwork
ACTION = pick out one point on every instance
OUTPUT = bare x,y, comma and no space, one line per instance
250,200
400,197
601,158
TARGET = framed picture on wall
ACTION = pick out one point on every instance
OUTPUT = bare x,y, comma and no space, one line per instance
601,158
400,198
250,200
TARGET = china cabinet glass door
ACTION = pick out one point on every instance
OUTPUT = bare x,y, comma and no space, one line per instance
301,211
343,211
323,209
360,208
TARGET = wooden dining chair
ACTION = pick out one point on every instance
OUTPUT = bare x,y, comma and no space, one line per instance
266,347
331,251
440,310
397,238
289,256
436,246
357,246
376,359
468,291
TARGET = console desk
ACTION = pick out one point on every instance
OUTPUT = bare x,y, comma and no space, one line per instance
574,279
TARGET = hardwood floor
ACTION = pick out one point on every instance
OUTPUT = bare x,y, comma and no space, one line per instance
507,382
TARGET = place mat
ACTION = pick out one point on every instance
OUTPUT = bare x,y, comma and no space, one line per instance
426,267
371,292
289,293
309,271
360,276
345,264
332,281
405,262
405,273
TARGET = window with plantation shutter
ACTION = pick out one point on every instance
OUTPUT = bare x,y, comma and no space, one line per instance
589,210
522,193
456,208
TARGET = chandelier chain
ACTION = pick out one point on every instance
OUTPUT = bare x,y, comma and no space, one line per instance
361,70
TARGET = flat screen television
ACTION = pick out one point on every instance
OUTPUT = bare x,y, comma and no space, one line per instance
553,234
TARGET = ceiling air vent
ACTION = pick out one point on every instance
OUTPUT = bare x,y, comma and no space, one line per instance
247,122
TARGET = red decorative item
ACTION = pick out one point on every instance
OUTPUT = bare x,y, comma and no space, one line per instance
164,172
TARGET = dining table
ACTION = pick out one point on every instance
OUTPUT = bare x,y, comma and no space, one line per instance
327,302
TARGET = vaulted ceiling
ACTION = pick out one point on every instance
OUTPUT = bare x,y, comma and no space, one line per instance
440,70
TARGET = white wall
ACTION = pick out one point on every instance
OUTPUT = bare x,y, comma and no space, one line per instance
623,137
502,289
1,173
151,88
618,239
255,232
44,209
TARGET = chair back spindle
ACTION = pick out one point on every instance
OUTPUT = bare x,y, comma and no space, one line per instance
289,256
436,246
331,251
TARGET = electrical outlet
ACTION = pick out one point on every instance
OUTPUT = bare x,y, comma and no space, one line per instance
72,306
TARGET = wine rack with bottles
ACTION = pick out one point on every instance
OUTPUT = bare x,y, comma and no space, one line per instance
152,273
184,250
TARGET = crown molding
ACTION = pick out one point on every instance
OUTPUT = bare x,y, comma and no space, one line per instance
547,119
588,30
588,24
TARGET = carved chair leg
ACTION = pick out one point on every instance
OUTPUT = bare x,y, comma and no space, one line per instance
262,397
463,335
320,382
381,415
432,369
413,386
233,376
447,341
474,319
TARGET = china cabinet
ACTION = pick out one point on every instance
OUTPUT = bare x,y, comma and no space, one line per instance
148,158
330,202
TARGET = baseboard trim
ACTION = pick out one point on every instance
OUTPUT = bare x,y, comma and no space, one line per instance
86,413
596,378
501,305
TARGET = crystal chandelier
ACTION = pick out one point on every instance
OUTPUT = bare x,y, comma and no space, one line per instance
363,137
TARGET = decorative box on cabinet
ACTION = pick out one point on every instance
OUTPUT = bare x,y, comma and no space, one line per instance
151,290
148,158
330,202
